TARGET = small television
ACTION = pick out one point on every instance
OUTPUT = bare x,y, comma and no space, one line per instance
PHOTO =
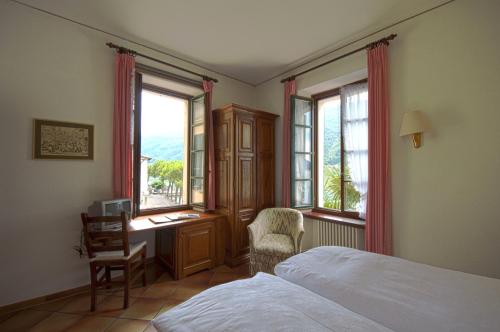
112,207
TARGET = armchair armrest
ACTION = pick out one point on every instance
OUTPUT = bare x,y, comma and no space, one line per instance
256,231
297,234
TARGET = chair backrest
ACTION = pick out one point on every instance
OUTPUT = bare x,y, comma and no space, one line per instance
104,239
282,220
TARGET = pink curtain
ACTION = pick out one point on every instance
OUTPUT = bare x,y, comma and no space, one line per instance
208,87
290,89
378,232
122,130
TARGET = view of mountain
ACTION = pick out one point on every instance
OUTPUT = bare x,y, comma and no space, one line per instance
332,138
162,148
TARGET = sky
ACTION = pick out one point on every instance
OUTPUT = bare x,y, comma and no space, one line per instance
162,115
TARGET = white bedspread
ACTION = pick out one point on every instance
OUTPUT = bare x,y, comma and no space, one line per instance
399,294
262,303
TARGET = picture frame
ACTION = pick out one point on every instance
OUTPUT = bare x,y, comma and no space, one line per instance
62,140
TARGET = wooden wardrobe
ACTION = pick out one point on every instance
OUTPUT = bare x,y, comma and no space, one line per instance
245,169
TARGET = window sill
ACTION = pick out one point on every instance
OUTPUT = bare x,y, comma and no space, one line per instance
334,219
163,210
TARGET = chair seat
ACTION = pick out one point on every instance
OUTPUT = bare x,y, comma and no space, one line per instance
118,254
275,244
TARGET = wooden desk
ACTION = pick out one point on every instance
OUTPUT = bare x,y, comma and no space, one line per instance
186,246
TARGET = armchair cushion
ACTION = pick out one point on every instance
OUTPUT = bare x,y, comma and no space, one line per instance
275,244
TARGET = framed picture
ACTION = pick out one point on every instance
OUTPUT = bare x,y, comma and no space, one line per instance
62,140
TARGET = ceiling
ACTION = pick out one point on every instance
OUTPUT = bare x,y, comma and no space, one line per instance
248,40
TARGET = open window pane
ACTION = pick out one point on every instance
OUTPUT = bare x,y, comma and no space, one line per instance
355,129
303,139
197,163
198,139
198,110
197,191
303,193
198,144
303,166
163,145
351,196
303,112
302,152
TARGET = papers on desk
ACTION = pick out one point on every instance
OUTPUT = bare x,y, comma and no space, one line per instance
159,220
173,217
182,216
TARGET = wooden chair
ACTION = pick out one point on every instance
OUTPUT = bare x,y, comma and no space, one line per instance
109,250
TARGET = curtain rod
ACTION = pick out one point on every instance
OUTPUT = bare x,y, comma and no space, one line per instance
122,49
370,45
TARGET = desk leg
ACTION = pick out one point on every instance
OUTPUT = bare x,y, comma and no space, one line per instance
165,249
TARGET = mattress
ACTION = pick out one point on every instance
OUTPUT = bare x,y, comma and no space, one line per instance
262,303
399,294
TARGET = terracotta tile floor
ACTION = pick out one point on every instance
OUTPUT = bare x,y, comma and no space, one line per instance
161,294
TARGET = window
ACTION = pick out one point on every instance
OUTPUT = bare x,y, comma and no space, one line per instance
163,150
169,146
198,150
302,152
339,130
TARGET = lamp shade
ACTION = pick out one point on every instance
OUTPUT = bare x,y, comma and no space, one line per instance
414,122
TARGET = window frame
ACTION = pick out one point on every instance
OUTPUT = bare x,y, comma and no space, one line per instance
191,125
139,85
342,212
293,153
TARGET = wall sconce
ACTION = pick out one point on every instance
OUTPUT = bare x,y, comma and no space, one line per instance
414,123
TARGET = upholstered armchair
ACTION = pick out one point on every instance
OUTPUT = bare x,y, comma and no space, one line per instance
275,235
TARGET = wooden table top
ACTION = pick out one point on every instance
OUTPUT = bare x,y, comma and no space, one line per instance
143,223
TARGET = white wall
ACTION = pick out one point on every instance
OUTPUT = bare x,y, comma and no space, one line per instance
446,209
52,69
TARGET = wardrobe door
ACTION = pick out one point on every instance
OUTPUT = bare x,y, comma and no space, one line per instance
224,170
245,191
223,159
265,163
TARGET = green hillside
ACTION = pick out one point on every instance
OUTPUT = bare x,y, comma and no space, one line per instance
332,138
162,148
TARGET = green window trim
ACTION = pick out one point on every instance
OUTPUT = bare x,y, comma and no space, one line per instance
305,124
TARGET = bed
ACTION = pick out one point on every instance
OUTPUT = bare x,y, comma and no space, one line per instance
262,303
398,294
